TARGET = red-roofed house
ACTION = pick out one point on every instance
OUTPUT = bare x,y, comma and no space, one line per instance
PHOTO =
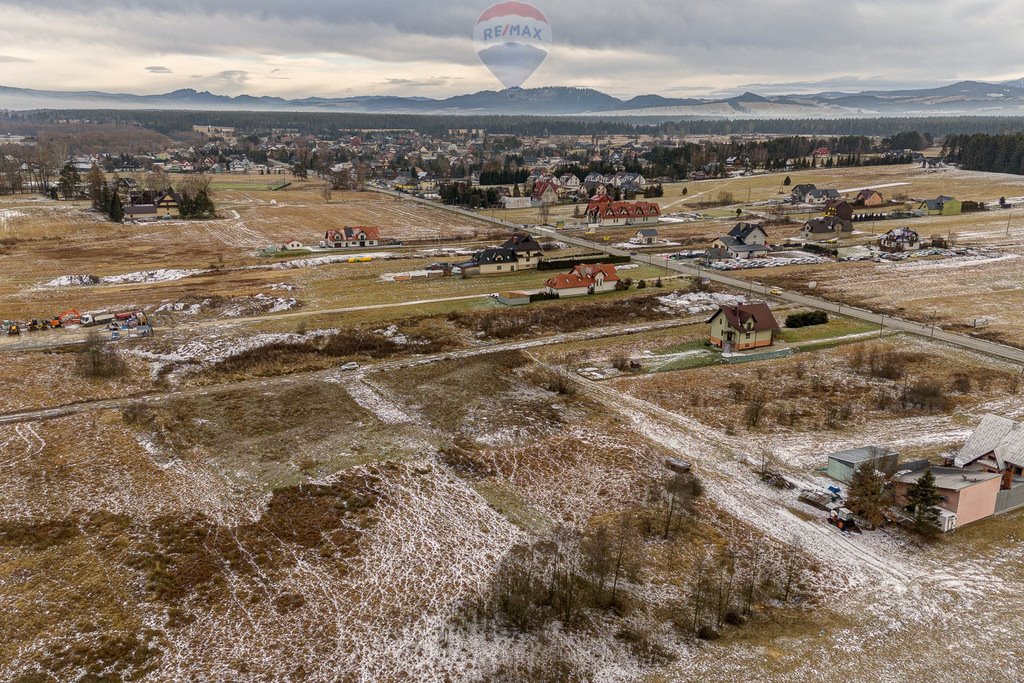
583,280
603,211
545,192
742,327
351,237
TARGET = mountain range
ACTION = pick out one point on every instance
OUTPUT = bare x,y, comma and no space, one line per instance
963,98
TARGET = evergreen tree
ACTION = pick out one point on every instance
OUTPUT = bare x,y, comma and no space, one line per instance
788,181
116,208
867,495
68,181
922,498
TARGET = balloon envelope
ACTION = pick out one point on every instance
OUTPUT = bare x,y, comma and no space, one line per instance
512,40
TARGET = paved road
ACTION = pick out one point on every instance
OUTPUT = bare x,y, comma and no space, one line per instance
54,412
883,321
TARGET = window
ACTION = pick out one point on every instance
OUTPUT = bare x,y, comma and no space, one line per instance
499,267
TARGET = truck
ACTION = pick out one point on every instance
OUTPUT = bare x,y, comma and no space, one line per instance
93,319
841,517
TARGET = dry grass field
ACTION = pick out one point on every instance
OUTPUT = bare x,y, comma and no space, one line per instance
245,509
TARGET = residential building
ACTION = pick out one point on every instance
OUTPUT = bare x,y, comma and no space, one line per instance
969,495
527,250
583,280
744,241
821,228
743,327
943,205
899,239
997,447
799,192
841,210
646,236
354,237
868,198
603,211
492,261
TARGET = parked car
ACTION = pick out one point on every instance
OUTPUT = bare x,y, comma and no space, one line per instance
352,365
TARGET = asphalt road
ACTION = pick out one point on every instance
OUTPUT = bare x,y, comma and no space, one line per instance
883,321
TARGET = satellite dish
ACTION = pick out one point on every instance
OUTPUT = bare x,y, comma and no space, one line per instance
512,40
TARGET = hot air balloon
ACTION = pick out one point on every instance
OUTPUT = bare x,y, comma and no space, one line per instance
512,40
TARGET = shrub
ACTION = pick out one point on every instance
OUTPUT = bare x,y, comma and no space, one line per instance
708,633
807,319
100,361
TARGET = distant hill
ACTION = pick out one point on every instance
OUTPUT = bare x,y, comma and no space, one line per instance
966,97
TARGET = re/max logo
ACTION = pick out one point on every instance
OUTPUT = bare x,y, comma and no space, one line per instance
512,31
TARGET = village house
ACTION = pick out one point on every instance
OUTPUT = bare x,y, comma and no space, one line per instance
743,327
968,495
942,205
841,210
898,240
168,205
821,228
645,236
744,241
868,198
603,211
583,280
492,261
356,237
997,447
821,196
545,193
291,245
527,250
799,192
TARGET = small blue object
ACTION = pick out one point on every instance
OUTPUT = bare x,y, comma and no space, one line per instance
834,489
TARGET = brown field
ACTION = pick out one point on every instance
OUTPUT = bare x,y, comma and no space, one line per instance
234,517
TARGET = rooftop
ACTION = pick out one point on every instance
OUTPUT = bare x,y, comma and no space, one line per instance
950,478
853,456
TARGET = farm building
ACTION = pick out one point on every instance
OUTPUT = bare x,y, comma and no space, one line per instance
292,244
942,205
583,280
742,327
969,495
899,239
351,237
843,464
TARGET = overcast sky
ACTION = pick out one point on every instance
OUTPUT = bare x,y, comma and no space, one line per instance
298,48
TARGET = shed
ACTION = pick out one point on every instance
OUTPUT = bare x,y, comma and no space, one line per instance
843,464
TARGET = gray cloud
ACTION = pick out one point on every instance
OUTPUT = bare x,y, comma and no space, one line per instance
158,70
234,77
8,59
644,46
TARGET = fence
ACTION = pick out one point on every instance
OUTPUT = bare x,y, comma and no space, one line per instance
1010,499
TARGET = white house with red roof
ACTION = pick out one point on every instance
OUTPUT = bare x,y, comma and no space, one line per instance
584,279
351,237
605,212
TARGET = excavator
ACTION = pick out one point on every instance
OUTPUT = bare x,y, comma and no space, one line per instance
69,317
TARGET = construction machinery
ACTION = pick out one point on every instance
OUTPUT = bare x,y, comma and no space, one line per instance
13,330
68,317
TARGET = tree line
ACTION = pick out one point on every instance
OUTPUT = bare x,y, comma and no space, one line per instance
980,152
